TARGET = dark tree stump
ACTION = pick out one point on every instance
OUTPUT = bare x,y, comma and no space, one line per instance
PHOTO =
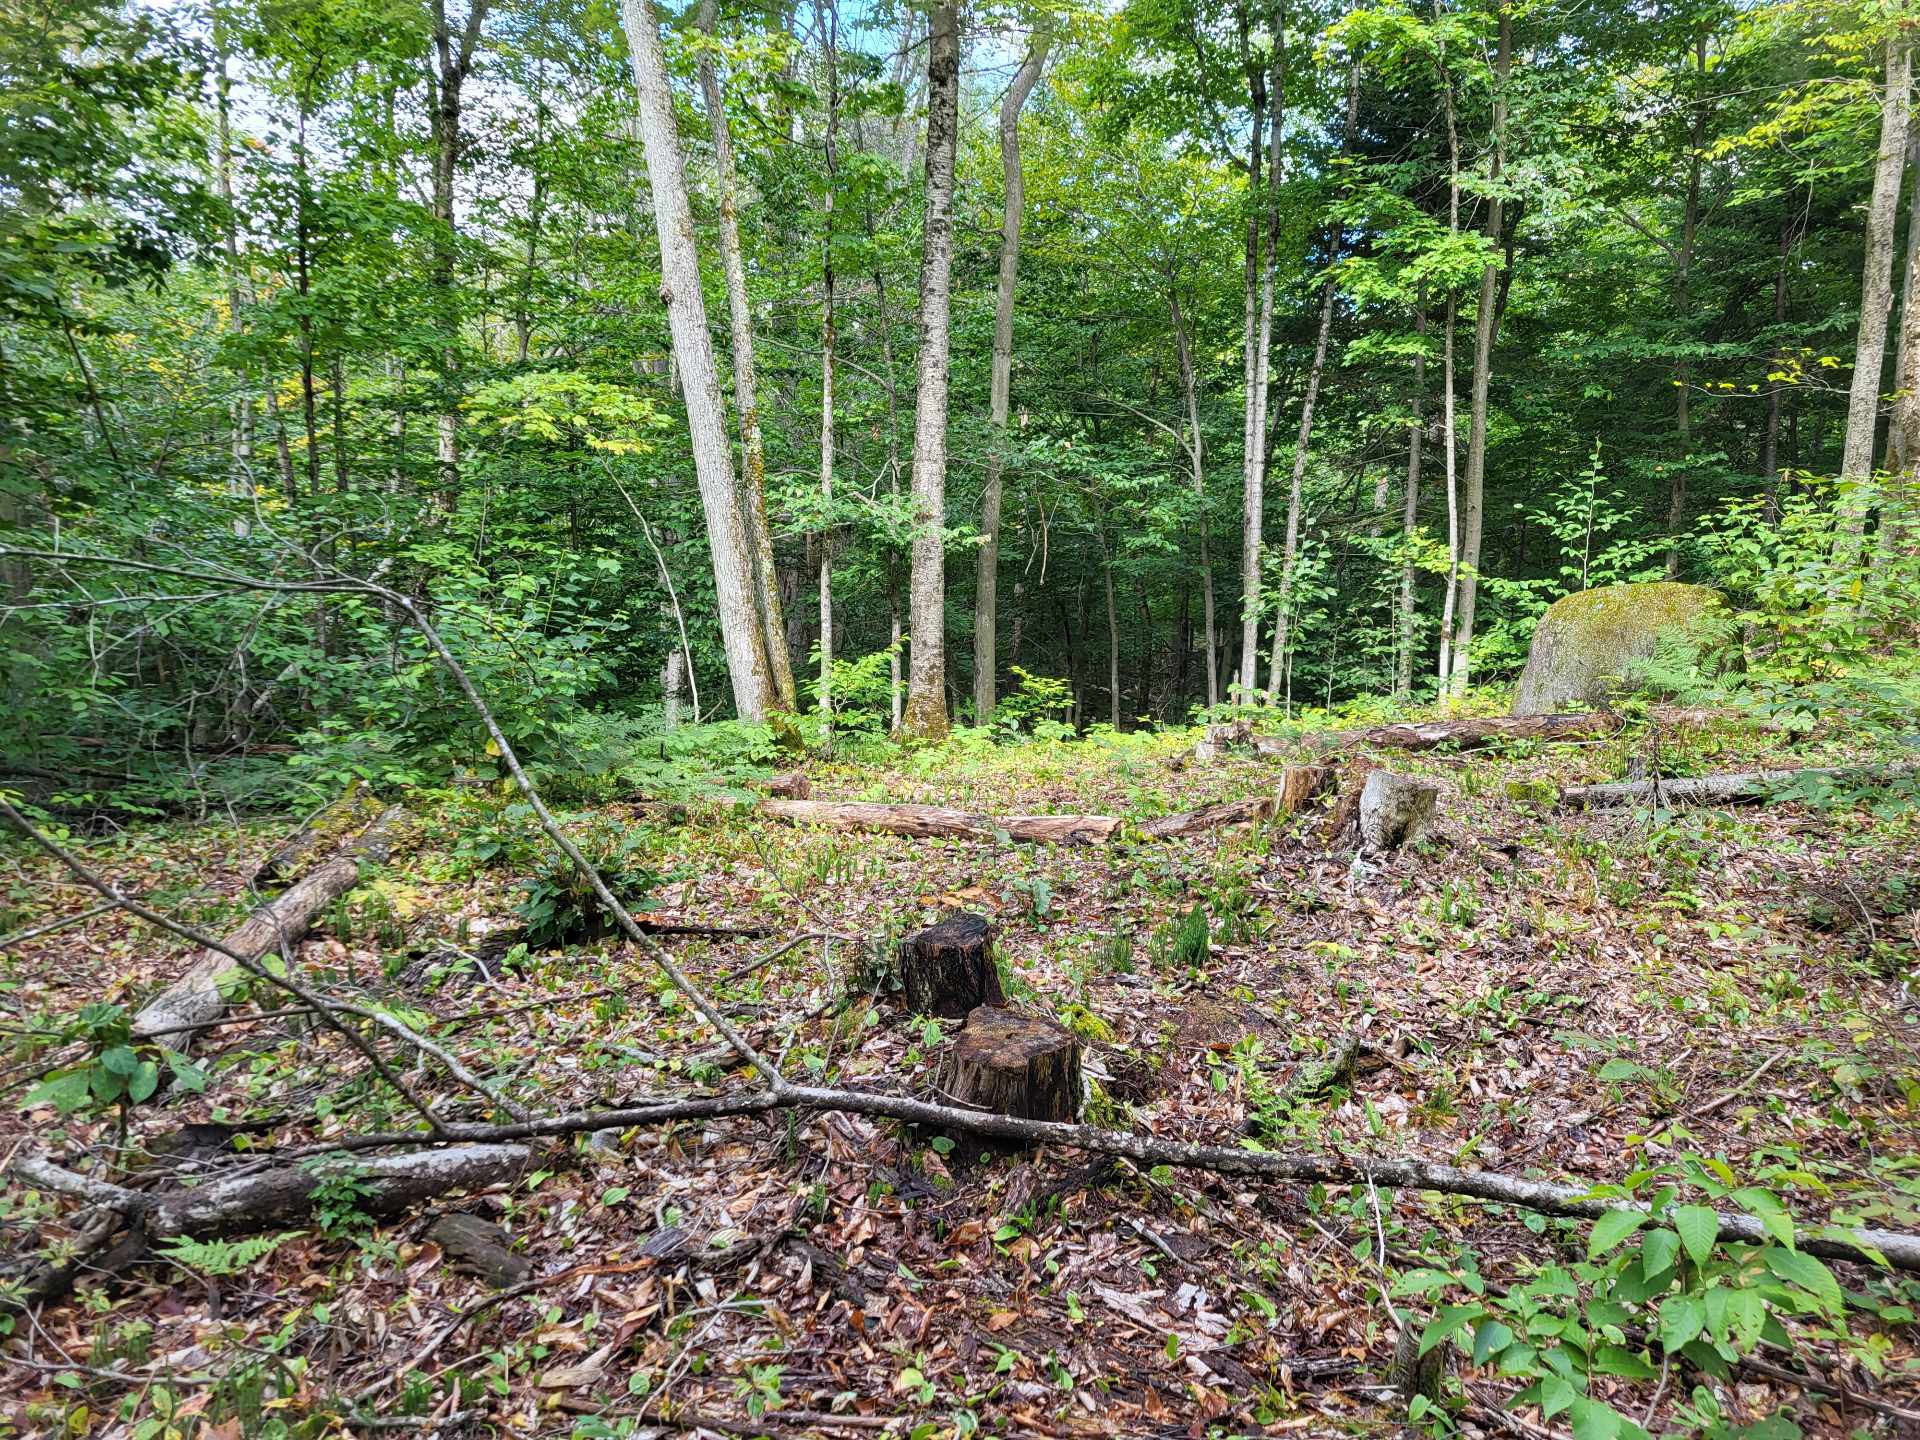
1302,785
793,785
1014,1064
947,969
479,1247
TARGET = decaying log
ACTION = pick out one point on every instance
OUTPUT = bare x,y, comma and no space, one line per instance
1301,785
1210,817
196,997
1217,740
935,820
356,808
793,785
1012,1064
1395,810
1748,787
480,1247
1470,734
947,969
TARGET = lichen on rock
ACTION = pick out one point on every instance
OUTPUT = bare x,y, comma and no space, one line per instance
1586,642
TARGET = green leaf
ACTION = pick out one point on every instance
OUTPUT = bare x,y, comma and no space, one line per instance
1618,1360
1799,1268
1450,1321
1611,1228
1556,1395
1681,1319
1659,1249
1591,1420
1489,1339
1765,1207
143,1082
119,1060
1699,1230
67,1092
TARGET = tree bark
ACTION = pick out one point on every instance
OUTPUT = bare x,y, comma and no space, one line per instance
947,970
1876,302
829,23
755,693
1196,457
1903,433
1410,508
1448,424
454,65
926,821
1256,344
746,395
1006,1063
1000,385
1683,307
1486,325
1208,817
925,714
1750,787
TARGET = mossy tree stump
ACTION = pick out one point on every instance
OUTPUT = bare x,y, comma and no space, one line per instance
947,969
1013,1064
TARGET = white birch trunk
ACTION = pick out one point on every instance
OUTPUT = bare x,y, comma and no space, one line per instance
754,693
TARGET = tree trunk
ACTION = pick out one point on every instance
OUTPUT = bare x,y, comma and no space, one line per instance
746,399
240,483
829,23
1770,442
454,63
1903,433
1876,301
1113,622
1252,445
1683,307
925,715
1486,324
1210,817
1410,506
1000,386
1448,427
1752,787
755,693
1190,390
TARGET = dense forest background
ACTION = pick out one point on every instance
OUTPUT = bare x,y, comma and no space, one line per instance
1558,296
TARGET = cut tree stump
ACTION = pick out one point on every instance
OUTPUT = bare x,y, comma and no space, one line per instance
936,820
1210,817
275,927
480,1247
1395,810
793,785
1014,1064
1301,785
947,969
1748,787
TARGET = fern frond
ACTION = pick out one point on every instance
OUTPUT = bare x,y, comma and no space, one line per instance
225,1257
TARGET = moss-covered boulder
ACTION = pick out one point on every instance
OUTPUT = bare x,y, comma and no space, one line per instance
1586,641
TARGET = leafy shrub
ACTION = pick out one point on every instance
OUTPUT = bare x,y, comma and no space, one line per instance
559,906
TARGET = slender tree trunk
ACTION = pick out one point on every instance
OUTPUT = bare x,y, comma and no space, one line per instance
1876,301
1683,308
1000,390
748,666
454,63
746,396
1263,363
1448,430
1196,455
240,482
1899,521
1252,431
925,716
1410,504
1113,622
1770,440
1486,324
829,25
1303,440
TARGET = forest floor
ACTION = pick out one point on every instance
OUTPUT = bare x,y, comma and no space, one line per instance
1567,995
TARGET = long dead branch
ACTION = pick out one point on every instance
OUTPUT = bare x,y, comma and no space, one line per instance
1744,787
939,820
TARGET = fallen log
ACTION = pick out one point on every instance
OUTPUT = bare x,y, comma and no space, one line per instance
284,1195
936,820
1746,787
1209,817
355,809
197,997
1469,734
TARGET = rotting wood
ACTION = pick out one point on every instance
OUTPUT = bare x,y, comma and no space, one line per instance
1745,787
355,808
1395,810
480,1247
1301,785
275,927
793,785
926,821
947,970
1013,1064
1209,817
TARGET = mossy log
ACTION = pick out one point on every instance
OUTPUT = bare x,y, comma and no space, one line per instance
356,808
947,969
1013,1064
